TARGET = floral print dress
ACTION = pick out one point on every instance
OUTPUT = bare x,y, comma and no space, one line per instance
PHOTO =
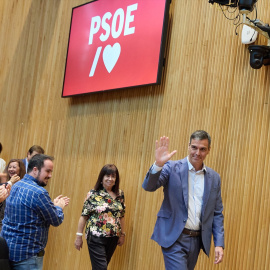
103,213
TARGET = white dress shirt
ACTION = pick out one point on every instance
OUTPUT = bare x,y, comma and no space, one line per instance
195,194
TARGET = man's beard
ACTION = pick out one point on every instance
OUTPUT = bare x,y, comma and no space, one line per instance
40,183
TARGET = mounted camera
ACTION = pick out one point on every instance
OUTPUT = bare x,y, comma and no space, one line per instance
246,6
225,3
259,54
243,5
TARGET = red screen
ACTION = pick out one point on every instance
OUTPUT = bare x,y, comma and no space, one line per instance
113,44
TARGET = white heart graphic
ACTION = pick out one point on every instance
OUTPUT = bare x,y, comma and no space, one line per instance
111,55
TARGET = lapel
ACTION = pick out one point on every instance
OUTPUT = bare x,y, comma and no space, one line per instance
207,189
184,179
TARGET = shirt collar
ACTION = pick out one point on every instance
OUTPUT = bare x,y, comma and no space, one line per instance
103,189
191,168
31,178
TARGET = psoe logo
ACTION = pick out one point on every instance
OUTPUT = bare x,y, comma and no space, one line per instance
115,44
111,25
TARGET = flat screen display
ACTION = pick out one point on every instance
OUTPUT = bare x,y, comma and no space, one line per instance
115,44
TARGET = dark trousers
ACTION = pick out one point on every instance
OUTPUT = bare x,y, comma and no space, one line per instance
4,257
101,250
183,254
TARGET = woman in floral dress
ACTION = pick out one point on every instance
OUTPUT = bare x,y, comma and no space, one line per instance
103,214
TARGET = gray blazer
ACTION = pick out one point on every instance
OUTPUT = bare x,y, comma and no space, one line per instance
173,214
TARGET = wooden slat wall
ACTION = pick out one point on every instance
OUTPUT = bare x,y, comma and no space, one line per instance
207,84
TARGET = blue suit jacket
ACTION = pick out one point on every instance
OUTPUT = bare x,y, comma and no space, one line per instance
24,162
173,214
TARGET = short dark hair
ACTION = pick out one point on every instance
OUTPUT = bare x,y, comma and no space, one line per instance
21,166
1,148
108,169
36,148
200,135
38,162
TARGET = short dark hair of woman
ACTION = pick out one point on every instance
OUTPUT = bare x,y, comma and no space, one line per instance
108,169
1,148
21,166
38,162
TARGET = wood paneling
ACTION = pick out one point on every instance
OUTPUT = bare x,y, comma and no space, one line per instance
207,84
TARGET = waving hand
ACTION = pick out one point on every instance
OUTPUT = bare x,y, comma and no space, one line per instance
162,153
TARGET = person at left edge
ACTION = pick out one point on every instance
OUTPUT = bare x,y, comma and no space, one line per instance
2,162
29,214
4,260
4,193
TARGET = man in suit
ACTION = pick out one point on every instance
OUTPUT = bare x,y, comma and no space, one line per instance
35,149
192,207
